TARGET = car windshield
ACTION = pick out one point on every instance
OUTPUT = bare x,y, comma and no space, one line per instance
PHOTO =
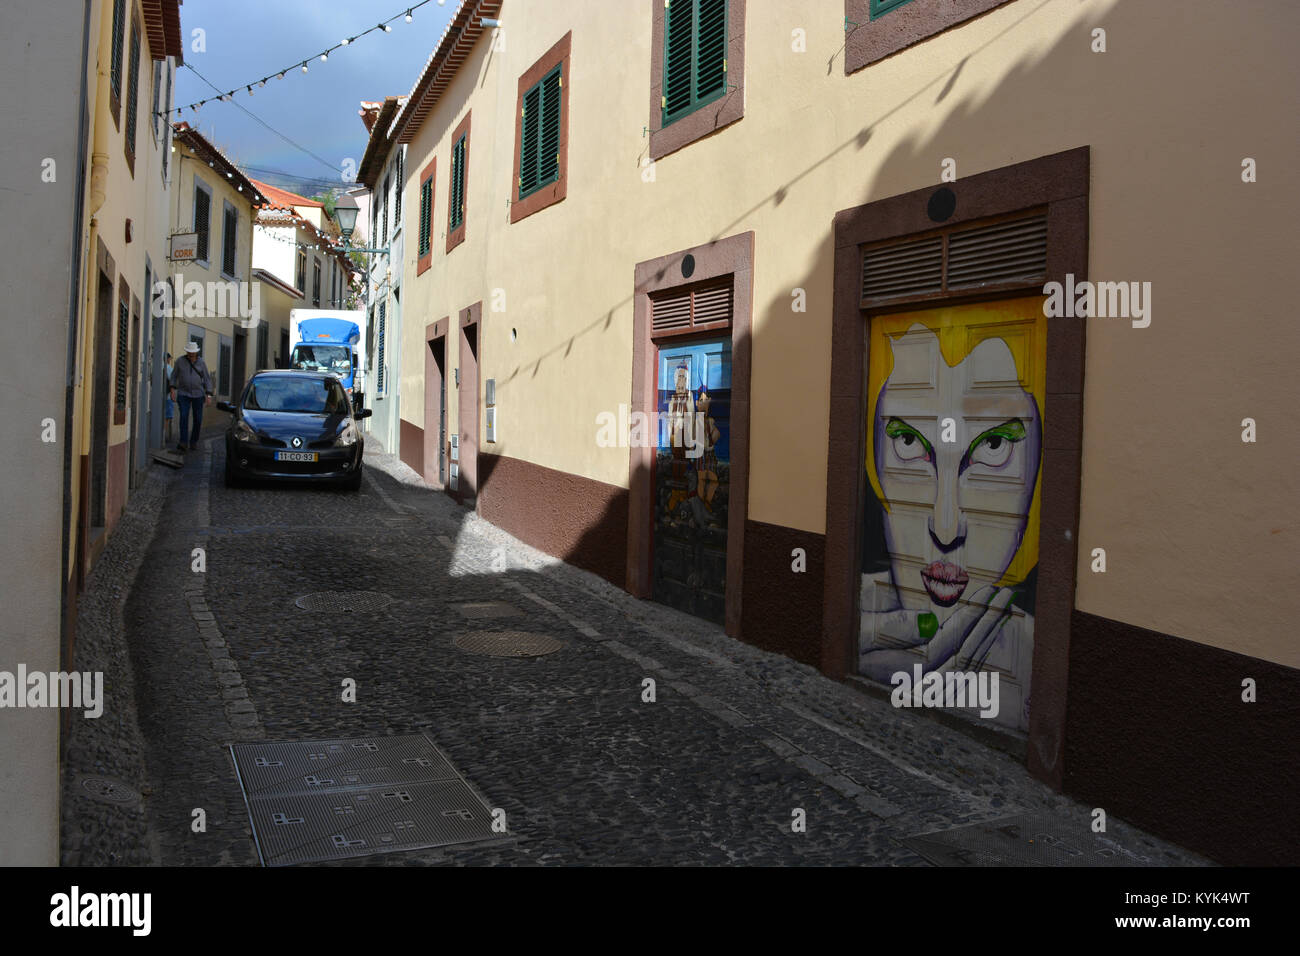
336,359
311,395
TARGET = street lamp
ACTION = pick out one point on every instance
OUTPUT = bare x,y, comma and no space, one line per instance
345,210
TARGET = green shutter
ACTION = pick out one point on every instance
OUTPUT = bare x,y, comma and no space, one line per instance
456,215
678,59
695,56
531,129
711,50
548,162
201,213
426,214
539,145
133,90
119,31
879,7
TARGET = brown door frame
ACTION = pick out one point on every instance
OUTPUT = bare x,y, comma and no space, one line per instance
733,256
435,390
1059,182
468,405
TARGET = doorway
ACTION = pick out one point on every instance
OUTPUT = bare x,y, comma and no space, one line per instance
954,439
468,406
692,470
134,467
435,403
240,364
100,418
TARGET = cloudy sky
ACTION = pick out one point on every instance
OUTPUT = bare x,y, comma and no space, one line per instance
248,39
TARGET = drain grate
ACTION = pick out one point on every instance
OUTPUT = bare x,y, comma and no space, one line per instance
507,643
344,602
319,800
109,790
477,609
1024,840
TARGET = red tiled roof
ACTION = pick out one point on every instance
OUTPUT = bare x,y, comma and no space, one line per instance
282,198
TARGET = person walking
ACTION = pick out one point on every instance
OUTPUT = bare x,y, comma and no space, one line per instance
169,409
191,387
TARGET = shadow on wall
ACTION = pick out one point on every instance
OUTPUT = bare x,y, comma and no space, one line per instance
1122,747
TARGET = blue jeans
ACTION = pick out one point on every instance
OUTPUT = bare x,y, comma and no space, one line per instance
195,405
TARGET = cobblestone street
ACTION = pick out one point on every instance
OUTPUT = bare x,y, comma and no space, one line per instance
585,770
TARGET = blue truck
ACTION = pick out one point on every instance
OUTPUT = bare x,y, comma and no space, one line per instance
331,341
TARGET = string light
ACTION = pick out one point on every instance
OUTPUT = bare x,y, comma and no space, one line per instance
383,26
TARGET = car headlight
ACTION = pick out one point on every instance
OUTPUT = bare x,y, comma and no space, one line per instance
346,437
244,433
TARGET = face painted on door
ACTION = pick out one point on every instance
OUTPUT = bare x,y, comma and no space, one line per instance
956,452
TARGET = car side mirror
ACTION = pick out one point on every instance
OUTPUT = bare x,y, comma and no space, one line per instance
226,406
361,413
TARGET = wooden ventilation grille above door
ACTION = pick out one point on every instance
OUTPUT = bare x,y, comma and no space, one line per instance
1008,253
906,268
691,309
1002,252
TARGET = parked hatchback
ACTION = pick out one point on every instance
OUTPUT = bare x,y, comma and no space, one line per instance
295,425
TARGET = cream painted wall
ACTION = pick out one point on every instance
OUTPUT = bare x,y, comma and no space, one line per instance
1198,541
216,321
140,195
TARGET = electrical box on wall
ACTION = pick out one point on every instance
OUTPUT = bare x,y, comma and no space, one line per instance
490,399
455,448
491,424
490,392
453,476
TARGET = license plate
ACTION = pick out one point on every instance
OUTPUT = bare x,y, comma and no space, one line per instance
295,456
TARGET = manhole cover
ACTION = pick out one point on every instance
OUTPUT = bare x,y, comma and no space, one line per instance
1024,840
344,602
318,800
507,643
477,609
108,790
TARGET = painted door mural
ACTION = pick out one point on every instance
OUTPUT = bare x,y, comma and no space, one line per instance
954,447
692,471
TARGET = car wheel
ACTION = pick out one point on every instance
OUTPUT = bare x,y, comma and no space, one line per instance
353,483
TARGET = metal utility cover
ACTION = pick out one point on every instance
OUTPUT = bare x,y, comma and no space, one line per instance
508,643
1025,840
477,609
314,801
344,602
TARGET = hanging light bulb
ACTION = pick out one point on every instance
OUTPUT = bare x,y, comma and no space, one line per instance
263,82
304,66
250,89
281,76
409,18
345,41
324,56
386,28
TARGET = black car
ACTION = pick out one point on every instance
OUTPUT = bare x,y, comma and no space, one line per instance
297,425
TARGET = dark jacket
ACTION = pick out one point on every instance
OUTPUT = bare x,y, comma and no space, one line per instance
191,378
